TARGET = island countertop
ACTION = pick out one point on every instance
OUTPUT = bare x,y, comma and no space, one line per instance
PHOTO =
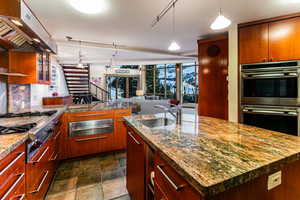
98,107
215,155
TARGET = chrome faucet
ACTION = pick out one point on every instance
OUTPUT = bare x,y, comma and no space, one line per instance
177,116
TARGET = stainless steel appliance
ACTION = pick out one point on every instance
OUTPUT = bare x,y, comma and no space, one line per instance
271,83
91,127
276,118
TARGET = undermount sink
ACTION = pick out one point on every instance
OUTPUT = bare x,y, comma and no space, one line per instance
152,123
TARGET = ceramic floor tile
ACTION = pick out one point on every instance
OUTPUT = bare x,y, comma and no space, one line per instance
114,188
110,164
70,195
90,192
124,197
88,179
65,185
112,174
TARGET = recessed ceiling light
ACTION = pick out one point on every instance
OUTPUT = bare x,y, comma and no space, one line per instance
36,40
16,22
89,6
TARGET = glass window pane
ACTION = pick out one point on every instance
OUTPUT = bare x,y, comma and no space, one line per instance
160,82
133,85
171,82
189,84
150,79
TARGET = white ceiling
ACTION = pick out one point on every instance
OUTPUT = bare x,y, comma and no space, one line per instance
127,22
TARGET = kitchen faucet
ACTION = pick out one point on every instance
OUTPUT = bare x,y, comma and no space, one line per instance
177,116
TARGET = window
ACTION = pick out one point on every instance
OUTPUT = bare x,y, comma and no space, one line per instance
161,80
189,82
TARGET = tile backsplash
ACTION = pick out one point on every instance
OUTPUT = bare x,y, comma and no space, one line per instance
3,97
19,97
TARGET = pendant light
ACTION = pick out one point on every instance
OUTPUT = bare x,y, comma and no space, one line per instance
220,22
173,46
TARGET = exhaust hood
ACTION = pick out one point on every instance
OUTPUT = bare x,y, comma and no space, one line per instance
18,25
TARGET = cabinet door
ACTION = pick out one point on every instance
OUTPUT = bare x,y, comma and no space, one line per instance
135,166
284,40
253,44
120,133
47,68
40,64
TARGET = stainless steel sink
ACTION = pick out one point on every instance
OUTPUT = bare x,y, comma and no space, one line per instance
152,123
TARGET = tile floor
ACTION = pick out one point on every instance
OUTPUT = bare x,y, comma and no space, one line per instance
97,177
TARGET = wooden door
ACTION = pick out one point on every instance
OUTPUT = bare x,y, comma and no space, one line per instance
284,40
253,44
213,84
135,166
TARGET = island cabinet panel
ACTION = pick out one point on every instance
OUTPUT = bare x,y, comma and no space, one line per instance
284,40
12,175
135,179
289,189
253,44
173,185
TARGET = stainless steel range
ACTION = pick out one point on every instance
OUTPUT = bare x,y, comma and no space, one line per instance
40,135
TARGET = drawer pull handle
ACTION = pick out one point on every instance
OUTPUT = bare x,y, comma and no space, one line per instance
20,197
136,141
121,120
57,135
55,157
12,163
91,115
41,183
13,186
40,158
168,179
88,139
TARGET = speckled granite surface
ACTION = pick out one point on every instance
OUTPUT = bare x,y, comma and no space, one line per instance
98,107
9,142
215,155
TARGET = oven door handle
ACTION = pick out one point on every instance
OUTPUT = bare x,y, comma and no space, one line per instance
270,112
271,75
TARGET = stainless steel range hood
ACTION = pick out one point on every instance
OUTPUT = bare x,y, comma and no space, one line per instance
20,25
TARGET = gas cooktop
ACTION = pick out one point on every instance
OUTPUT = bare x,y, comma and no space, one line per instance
16,129
28,114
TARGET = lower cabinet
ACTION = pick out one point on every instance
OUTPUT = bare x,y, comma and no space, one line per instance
142,160
135,166
12,175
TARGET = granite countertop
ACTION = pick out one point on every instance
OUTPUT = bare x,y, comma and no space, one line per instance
11,141
214,155
98,107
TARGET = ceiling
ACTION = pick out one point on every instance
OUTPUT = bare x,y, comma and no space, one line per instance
127,22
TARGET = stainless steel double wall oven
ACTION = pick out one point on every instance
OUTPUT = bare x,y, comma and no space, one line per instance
270,96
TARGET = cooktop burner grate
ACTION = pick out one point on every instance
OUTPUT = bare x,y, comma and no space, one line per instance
16,129
28,114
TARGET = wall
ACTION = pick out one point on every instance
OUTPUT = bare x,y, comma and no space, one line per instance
97,73
233,74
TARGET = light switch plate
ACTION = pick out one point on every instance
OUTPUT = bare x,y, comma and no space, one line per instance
274,180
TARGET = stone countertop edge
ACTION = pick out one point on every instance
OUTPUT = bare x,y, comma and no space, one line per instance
226,184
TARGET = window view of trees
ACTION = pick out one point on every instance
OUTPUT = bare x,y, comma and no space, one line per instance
189,83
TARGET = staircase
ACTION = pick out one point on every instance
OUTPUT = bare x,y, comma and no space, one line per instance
79,86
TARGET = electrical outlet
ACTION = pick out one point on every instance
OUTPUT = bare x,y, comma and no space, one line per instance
274,180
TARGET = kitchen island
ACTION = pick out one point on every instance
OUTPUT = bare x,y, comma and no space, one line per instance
220,160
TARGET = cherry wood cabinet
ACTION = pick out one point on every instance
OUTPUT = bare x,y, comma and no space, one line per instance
135,179
253,44
270,42
36,67
120,129
12,175
284,41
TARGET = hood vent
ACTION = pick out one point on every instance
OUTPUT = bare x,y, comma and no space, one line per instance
11,36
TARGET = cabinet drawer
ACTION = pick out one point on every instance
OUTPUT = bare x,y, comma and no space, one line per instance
16,191
75,117
159,195
173,185
38,189
43,154
14,162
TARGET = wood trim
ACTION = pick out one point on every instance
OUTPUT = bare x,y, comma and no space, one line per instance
272,19
213,38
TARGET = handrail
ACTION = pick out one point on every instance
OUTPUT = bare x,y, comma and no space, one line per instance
105,96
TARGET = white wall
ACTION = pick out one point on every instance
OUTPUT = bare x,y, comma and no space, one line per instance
233,74
98,71
3,97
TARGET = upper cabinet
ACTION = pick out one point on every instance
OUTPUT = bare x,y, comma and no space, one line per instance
284,40
35,67
270,42
253,41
